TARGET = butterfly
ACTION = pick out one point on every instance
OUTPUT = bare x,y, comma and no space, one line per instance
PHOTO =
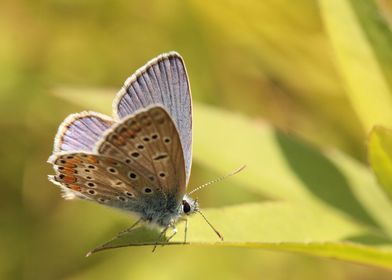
139,160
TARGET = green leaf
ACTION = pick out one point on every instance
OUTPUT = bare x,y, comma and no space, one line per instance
357,46
285,54
323,204
286,169
274,225
380,156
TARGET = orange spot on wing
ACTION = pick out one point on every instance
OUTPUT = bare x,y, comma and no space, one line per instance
69,179
75,160
91,159
68,171
75,188
127,133
119,141
110,161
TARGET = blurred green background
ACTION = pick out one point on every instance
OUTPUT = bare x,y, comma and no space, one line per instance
281,63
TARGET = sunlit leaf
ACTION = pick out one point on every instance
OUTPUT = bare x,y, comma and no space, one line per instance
284,168
293,84
275,225
357,57
380,156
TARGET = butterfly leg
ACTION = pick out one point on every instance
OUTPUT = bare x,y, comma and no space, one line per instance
121,233
171,236
128,229
185,230
163,232
174,232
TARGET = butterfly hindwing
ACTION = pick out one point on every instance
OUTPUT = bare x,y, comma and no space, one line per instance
81,131
102,179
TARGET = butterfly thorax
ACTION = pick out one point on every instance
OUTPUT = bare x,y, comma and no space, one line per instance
164,214
159,209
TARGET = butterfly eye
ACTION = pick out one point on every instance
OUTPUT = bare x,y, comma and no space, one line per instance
186,207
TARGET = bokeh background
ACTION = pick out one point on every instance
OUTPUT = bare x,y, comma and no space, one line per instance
267,60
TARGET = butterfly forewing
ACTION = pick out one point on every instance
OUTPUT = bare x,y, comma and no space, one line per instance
162,81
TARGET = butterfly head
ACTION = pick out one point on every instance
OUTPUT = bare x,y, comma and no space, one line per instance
189,205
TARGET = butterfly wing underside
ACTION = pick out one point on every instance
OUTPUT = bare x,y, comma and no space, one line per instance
81,131
138,162
163,81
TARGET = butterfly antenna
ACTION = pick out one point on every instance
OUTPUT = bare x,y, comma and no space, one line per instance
214,229
218,179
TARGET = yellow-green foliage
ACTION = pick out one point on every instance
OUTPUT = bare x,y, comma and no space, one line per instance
299,91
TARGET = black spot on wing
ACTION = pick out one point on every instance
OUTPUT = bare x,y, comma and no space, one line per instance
160,157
